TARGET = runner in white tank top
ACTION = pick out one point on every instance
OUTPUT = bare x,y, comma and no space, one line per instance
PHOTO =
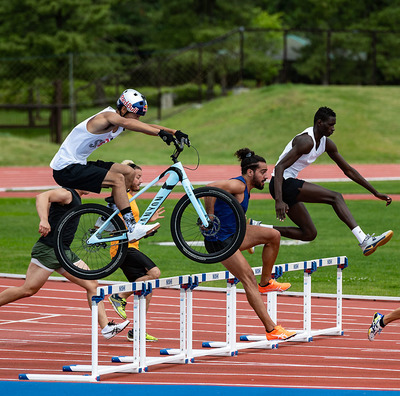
290,192
305,159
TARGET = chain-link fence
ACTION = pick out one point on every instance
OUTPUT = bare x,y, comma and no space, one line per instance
43,92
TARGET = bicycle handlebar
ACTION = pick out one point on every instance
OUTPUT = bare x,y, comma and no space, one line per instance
179,146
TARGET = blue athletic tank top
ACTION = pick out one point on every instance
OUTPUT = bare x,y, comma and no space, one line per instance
225,215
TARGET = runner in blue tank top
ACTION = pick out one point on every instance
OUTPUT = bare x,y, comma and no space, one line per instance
254,174
224,213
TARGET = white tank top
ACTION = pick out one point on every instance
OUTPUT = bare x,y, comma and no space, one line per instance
305,159
80,143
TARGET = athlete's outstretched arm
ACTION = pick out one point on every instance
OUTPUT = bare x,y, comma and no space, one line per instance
352,173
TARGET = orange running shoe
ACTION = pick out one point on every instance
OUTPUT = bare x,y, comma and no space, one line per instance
279,333
274,286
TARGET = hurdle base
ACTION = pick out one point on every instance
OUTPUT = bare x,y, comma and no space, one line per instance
102,370
218,351
223,350
260,343
179,358
58,377
332,331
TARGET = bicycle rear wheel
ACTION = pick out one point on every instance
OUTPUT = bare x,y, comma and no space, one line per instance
83,260
209,245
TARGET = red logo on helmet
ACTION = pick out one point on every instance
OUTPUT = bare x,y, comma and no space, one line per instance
128,105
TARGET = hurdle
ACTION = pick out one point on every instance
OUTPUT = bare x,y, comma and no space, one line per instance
138,361
229,347
306,334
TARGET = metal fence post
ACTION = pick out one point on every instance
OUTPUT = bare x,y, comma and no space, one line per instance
72,107
241,54
373,55
56,114
327,77
200,73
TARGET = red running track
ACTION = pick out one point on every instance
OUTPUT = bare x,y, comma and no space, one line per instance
52,329
30,179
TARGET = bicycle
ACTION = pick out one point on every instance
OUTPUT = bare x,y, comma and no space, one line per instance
98,252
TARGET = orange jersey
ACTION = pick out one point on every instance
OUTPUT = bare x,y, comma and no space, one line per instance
136,215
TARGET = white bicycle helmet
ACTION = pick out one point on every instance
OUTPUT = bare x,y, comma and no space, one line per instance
134,102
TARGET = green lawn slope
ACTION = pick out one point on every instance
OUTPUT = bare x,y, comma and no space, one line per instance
263,119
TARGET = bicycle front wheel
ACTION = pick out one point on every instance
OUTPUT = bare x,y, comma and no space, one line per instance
83,260
221,238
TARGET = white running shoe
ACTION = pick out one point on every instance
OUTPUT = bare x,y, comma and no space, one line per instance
142,230
371,242
100,222
113,329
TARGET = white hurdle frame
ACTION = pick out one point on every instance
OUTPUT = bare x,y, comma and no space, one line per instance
139,362
309,267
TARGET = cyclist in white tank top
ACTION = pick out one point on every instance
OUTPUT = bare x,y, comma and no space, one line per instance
290,192
80,143
71,168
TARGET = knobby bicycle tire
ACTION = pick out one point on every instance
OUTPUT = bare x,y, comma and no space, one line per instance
191,238
96,260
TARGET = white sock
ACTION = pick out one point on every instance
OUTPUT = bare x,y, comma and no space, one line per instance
359,234
267,225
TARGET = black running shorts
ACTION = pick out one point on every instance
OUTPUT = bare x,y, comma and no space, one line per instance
87,177
216,246
290,189
136,264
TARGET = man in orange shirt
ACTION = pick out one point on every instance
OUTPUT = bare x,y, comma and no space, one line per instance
136,266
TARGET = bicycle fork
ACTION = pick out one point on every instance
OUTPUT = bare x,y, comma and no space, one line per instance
176,174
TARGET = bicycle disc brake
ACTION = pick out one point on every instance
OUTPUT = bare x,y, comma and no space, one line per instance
214,225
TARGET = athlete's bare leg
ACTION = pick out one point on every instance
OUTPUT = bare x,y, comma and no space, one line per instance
270,238
240,268
392,316
35,278
312,193
152,273
117,178
305,230
91,290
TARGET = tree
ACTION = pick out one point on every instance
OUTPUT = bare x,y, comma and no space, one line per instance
44,32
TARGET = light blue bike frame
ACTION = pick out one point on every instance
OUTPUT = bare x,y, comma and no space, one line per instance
176,174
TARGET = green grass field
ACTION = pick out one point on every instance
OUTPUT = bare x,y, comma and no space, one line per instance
264,120
373,275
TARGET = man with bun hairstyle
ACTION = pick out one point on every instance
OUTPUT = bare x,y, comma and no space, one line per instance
254,175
